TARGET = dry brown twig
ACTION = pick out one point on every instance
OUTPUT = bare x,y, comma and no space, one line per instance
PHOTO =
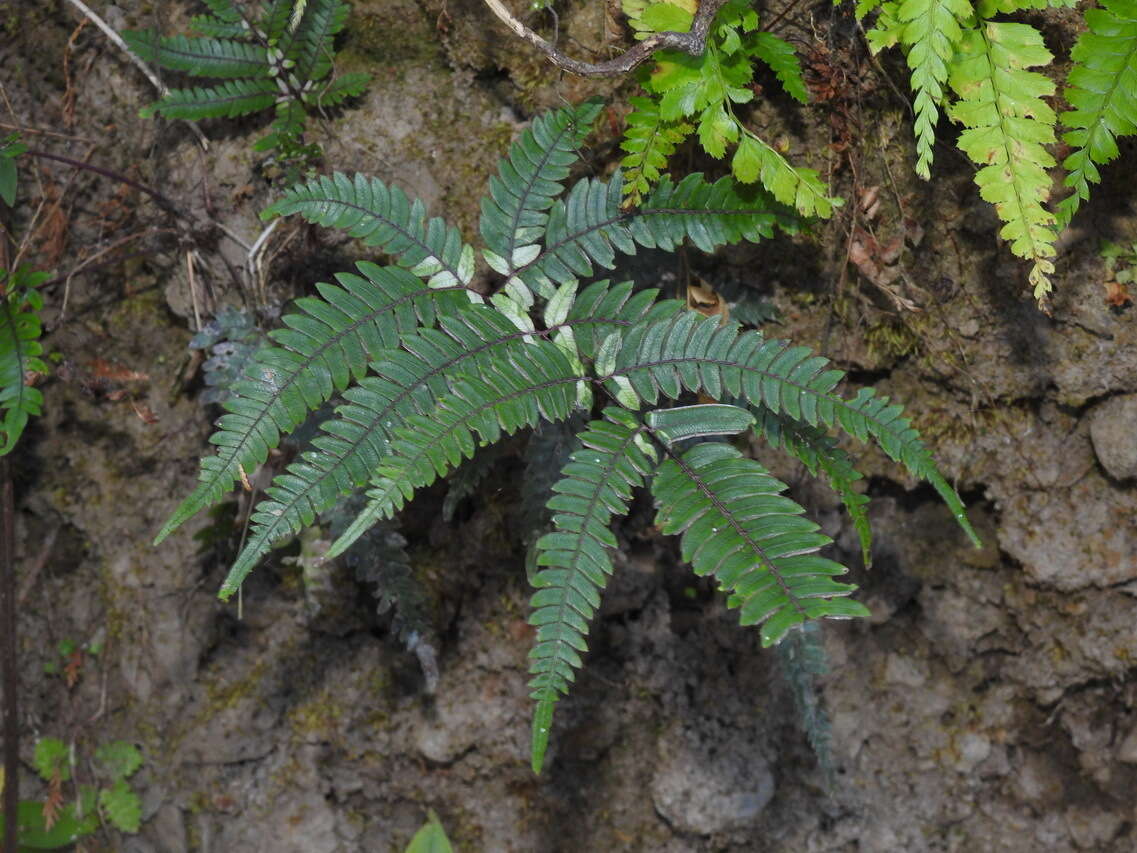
693,42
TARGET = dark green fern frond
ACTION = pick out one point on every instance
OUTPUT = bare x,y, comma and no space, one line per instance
276,19
819,452
514,212
1103,92
596,484
383,217
802,656
695,353
589,226
229,99
20,352
737,525
601,309
515,389
1007,124
353,443
648,141
286,127
200,57
313,37
327,343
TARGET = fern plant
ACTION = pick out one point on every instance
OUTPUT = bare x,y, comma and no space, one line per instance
20,352
430,370
699,94
280,59
955,46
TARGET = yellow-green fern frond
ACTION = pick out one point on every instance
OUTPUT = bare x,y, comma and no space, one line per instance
1007,124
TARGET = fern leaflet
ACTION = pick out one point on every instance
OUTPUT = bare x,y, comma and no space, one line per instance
932,32
514,213
648,141
383,217
498,396
1103,92
819,452
737,525
324,345
1007,123
596,484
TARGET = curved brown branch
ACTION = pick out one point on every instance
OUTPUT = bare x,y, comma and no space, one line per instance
693,42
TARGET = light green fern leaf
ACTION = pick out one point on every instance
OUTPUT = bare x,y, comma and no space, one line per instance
1007,124
1103,92
648,141
780,56
931,32
575,564
800,188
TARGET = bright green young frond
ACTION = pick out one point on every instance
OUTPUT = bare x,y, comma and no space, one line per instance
800,188
648,141
694,353
737,526
20,352
353,443
931,32
514,212
1008,123
228,99
326,343
1103,92
595,485
780,56
494,397
818,451
200,57
589,226
384,217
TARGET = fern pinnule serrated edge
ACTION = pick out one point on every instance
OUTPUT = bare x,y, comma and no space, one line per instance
322,347
1102,89
384,217
596,484
751,538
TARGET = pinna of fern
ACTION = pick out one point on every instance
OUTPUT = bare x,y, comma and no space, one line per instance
429,373
282,59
